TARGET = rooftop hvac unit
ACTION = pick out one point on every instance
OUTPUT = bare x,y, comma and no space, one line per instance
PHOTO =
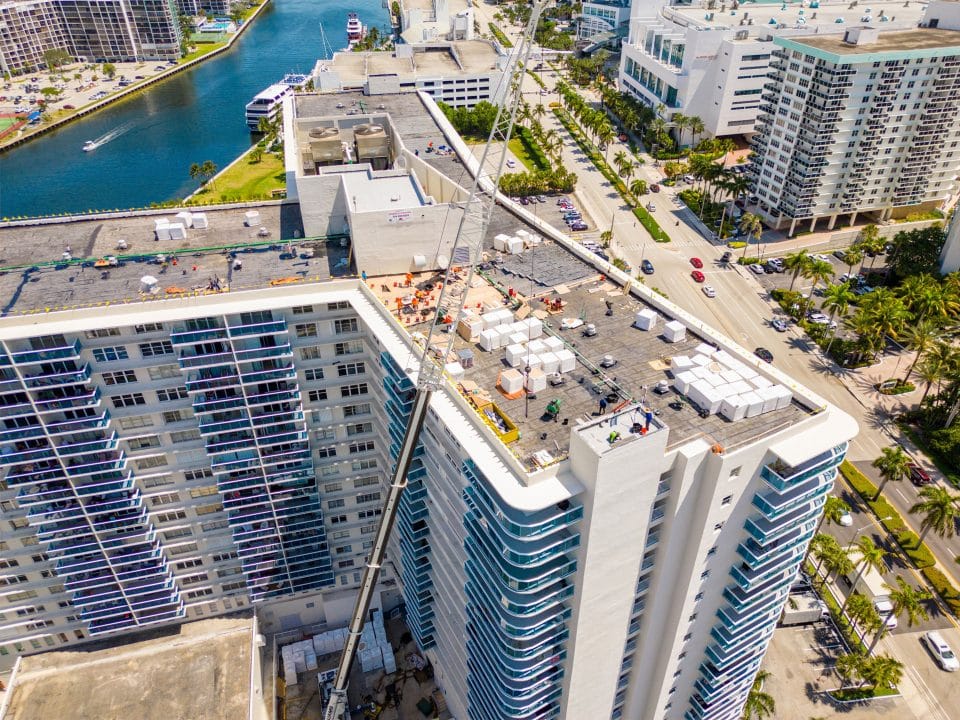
325,145
373,145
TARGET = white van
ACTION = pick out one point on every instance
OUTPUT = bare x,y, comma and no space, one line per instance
941,651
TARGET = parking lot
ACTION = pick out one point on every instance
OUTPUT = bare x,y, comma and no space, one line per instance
800,660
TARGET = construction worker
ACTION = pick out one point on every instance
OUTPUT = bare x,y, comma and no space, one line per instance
603,406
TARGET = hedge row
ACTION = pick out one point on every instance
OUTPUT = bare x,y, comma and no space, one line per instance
908,540
532,147
498,34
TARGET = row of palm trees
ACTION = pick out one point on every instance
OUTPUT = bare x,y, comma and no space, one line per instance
872,672
594,122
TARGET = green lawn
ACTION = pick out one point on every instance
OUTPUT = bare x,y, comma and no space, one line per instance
246,180
201,50
519,151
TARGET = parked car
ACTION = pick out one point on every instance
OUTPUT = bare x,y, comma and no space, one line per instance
941,652
840,254
709,291
756,269
511,163
779,324
846,519
647,267
579,226
763,354
654,188
919,476
696,262
541,198
698,276
524,201
69,107
726,257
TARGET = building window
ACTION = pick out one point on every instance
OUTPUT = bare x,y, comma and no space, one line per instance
169,394
327,452
348,348
334,504
367,497
353,390
136,421
110,354
148,328
351,368
313,373
718,527
359,429
204,491
317,395
159,347
333,487
361,465
151,462
354,410
705,574
727,500
102,333
122,401
337,519
197,474
141,443
170,516
347,325
735,473
366,481
311,352
302,309
207,509
163,372
175,416
164,499
339,305
119,377
305,330
359,447
185,436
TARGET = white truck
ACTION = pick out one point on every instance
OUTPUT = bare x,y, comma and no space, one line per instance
871,585
803,608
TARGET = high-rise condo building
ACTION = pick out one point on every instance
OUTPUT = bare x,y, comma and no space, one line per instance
89,30
184,439
859,123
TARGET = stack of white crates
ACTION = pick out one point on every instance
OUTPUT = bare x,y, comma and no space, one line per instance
547,353
717,382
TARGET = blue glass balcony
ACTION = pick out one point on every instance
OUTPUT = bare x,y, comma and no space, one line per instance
180,336
70,351
272,327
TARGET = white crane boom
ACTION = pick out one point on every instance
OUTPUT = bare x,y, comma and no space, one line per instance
465,254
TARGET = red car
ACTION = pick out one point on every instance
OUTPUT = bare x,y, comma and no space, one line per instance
697,276
696,262
919,476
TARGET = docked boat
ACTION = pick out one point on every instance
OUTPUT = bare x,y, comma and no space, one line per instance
355,29
267,103
89,146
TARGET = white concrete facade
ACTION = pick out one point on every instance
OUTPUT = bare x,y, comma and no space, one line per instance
713,63
602,17
432,20
860,123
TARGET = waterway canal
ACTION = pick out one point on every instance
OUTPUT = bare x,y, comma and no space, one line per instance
195,116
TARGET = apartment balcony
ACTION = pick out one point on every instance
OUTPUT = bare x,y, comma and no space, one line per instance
774,504
782,477
90,398
180,336
756,554
60,378
748,578
524,525
69,351
272,327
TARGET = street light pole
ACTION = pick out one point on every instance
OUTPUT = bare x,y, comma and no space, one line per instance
860,530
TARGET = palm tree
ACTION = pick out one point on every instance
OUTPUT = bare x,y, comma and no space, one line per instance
819,270
905,598
796,262
696,129
861,612
621,160
638,187
751,226
886,311
837,563
870,242
893,464
882,670
871,556
833,509
680,122
605,136
759,704
837,299
628,171
920,337
940,510
849,666
851,257
823,547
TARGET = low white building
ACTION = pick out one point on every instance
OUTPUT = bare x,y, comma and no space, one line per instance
460,73
353,175
432,20
603,17
713,63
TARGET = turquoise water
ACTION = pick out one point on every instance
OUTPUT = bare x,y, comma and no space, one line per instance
195,116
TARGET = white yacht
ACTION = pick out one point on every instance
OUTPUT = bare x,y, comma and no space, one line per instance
267,102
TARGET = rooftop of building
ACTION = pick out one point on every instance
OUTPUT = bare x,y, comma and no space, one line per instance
551,271
199,669
758,19
370,192
916,40
442,59
454,6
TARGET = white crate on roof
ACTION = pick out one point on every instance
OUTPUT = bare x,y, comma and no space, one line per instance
251,218
511,381
515,354
500,242
177,231
503,333
705,349
746,372
674,331
490,319
724,357
783,396
505,315
730,376
680,363
489,340
162,229
185,217
646,319
704,396
553,343
515,246
733,408
724,390
311,660
533,240
754,403
568,361
741,387
683,381
532,361
536,380
517,338
550,362
454,370
769,395
534,327
200,221
522,233
760,382
701,359
538,346
701,372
